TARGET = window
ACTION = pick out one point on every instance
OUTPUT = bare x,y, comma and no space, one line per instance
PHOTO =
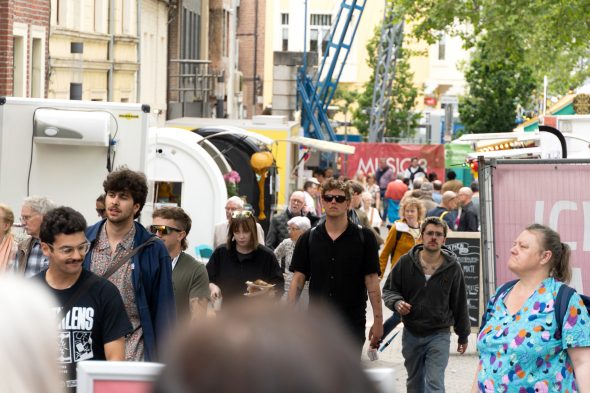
18,72
319,33
285,45
285,32
442,44
37,79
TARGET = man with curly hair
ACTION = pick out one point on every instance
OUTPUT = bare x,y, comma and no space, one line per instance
145,279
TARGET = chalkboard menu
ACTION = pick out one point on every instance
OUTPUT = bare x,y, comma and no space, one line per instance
467,248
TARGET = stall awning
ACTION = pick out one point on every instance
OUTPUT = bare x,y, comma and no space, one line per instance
322,145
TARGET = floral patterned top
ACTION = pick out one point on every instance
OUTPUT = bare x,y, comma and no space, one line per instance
520,353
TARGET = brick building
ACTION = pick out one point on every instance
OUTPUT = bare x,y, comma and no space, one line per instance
251,44
24,46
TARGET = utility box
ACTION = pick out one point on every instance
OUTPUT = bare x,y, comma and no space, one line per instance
64,149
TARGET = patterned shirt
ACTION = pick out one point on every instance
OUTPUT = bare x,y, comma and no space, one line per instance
519,353
37,262
102,260
285,250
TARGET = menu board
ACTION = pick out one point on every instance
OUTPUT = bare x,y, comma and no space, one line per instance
466,246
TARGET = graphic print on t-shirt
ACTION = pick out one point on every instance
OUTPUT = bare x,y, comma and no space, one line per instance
75,336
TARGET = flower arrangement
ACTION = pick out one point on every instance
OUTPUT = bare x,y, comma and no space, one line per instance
232,178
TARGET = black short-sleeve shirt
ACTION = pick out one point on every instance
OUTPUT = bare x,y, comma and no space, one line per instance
96,318
337,268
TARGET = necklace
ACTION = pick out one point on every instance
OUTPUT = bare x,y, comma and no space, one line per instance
428,268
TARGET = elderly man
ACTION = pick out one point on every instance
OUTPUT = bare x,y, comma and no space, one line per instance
30,259
220,234
446,210
468,220
277,231
426,189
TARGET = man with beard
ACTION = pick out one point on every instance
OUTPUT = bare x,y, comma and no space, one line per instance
426,287
135,261
92,319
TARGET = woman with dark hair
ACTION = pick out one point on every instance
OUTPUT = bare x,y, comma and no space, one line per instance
522,348
243,259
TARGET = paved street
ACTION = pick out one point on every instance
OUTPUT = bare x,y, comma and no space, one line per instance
460,371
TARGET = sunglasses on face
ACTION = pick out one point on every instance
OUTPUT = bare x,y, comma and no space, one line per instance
163,229
329,198
242,213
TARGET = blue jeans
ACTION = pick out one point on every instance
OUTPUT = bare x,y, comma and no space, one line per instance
426,359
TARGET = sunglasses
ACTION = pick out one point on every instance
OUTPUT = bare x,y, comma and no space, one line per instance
163,229
242,213
329,198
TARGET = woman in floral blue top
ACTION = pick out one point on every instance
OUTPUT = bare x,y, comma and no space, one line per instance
518,348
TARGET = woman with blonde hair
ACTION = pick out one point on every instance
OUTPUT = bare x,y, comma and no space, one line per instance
523,344
8,245
403,235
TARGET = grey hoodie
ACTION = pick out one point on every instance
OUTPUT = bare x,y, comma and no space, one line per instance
438,303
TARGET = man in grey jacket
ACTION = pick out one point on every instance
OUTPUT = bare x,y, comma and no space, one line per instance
426,287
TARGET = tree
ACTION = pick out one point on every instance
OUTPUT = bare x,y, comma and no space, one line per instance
497,85
554,35
401,118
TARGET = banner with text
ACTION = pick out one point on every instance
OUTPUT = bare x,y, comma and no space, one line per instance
546,193
367,155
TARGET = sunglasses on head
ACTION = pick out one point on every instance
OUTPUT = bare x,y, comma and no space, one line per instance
163,229
242,213
329,198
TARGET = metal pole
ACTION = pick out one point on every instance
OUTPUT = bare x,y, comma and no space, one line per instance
305,38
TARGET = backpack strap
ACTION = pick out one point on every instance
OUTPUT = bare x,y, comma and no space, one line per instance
499,292
564,295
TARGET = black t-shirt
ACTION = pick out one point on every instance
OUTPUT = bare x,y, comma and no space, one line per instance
230,270
337,268
97,318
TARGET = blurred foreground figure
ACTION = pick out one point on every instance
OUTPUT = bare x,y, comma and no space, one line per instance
28,342
260,347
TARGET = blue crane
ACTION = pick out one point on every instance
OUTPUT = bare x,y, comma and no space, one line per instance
316,92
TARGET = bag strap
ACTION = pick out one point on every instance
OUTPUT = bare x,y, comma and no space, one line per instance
127,257
562,300
74,298
499,293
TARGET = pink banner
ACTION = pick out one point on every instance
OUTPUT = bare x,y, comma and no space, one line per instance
366,157
551,194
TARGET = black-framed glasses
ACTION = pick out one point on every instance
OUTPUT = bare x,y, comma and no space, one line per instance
329,198
242,213
69,250
163,229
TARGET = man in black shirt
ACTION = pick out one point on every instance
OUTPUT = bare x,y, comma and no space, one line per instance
93,322
341,261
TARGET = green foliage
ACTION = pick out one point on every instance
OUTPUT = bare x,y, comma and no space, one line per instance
554,35
401,119
497,85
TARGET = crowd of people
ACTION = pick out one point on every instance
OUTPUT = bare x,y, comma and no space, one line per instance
122,290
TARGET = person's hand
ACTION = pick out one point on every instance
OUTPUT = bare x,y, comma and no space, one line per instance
403,308
376,333
461,348
215,291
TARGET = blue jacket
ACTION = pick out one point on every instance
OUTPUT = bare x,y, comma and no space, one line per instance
152,281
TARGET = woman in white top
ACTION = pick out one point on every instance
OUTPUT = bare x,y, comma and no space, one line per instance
372,212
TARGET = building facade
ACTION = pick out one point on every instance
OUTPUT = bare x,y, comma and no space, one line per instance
94,50
24,30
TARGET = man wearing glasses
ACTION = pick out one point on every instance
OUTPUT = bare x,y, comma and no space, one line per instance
426,287
340,259
277,231
232,205
93,322
191,282
135,262
30,259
